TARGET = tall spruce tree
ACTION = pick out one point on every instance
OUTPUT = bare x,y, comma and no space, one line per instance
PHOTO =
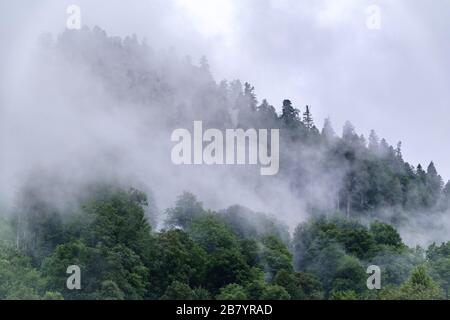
308,119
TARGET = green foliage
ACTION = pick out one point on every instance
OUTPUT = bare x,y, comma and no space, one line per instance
232,292
384,234
310,284
226,266
77,253
214,255
299,285
201,294
251,251
420,286
211,233
53,296
109,290
204,254
186,210
350,276
248,224
275,255
176,258
438,258
349,236
116,217
255,289
178,291
18,279
6,231
275,292
344,295
110,247
338,251
396,266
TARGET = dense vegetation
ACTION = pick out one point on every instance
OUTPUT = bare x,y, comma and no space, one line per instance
233,254
366,190
362,177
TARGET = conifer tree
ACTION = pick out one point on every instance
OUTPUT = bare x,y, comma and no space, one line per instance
328,131
373,142
308,119
289,113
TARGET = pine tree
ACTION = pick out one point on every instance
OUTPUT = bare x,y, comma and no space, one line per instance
289,113
446,196
420,173
446,190
266,113
308,119
373,142
398,150
348,132
266,107
362,140
384,148
250,96
328,131
434,185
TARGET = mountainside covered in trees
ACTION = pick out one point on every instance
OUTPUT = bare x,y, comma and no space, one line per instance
201,254
328,172
110,105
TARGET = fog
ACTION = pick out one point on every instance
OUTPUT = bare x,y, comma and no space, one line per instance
59,119
73,128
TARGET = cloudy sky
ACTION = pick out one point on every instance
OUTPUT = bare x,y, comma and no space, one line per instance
317,52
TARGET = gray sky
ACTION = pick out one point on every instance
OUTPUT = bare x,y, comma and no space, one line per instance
317,52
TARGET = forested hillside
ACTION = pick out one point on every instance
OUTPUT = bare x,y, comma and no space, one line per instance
361,174
334,208
201,254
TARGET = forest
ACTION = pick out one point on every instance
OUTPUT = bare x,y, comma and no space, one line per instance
356,196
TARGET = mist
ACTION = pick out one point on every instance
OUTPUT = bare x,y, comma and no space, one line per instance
70,127
68,123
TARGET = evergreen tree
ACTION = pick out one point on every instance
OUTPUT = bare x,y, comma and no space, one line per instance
373,142
420,286
232,292
250,96
187,208
398,150
446,190
421,174
348,133
446,196
328,131
290,115
266,115
308,119
434,185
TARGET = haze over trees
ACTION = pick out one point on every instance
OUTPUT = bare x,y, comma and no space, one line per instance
355,194
233,254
